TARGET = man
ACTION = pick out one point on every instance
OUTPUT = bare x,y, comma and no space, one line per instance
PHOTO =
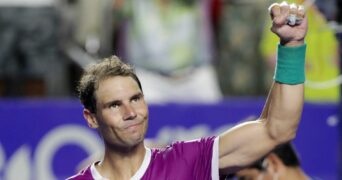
281,163
114,105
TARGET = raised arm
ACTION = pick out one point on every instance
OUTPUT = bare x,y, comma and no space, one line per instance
247,142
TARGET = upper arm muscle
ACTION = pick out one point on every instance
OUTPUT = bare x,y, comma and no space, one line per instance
244,144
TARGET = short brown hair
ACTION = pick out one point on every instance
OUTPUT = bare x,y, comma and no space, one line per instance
95,73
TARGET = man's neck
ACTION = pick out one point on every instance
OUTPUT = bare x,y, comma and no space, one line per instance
121,164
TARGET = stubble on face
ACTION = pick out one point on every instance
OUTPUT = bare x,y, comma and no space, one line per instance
122,112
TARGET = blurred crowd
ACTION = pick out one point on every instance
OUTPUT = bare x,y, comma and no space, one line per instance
182,50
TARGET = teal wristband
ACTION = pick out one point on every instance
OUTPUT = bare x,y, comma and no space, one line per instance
290,68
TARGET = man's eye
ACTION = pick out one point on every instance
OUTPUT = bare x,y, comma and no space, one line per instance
114,105
135,99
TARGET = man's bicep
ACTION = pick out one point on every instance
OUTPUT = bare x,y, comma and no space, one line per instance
244,144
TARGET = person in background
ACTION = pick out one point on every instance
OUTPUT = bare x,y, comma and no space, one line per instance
240,68
282,163
169,42
30,59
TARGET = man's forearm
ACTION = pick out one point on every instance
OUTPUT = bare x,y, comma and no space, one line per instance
283,111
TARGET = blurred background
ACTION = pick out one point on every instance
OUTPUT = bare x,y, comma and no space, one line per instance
205,65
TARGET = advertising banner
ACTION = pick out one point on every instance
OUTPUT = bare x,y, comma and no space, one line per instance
49,139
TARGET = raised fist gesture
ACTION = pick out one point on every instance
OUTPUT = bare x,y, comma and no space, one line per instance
289,23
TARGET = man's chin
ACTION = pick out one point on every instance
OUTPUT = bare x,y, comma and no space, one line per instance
135,141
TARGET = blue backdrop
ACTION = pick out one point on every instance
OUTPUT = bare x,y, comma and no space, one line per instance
48,139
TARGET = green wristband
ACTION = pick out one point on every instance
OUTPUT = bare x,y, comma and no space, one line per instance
290,68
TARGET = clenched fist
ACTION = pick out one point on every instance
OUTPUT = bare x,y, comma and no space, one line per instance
289,23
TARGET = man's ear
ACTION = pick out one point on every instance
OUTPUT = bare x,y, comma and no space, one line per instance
90,118
275,162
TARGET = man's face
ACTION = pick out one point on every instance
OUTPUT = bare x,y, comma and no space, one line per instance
122,113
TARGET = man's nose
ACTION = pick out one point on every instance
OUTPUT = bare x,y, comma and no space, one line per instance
129,112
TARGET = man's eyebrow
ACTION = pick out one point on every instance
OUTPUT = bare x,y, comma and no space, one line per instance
137,95
117,101
114,101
